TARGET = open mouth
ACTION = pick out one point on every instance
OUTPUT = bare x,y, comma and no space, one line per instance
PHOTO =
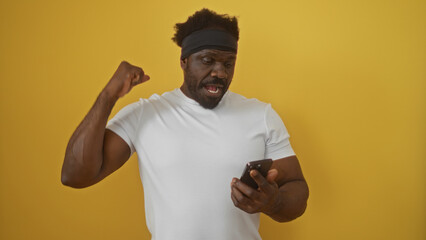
213,89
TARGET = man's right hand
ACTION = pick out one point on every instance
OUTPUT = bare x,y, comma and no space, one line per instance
124,79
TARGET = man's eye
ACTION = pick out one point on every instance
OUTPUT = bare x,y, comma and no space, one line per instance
229,64
207,60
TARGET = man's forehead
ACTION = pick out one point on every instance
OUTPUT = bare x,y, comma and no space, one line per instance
217,53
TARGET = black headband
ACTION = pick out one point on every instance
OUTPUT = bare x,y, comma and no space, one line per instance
208,39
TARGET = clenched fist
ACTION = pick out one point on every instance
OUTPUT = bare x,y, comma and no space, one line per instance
124,79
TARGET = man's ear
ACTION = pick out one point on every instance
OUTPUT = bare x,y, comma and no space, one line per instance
183,63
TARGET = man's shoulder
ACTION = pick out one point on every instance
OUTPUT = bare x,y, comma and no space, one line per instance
162,96
156,98
142,104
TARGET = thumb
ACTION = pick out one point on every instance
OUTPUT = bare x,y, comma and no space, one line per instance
272,175
145,78
140,80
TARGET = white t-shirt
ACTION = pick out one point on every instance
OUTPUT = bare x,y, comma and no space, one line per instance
188,156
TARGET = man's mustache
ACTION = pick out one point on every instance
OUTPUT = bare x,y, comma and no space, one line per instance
215,81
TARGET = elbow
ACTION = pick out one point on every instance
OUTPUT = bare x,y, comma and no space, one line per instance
296,210
66,181
75,176
69,181
290,217
71,184
300,209
300,213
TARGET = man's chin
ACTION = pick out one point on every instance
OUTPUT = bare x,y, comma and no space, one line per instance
209,102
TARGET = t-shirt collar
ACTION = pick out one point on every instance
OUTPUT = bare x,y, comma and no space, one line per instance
191,101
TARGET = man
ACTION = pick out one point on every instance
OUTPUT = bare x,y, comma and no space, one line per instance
192,143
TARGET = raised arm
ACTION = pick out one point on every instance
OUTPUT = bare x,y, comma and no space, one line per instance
94,152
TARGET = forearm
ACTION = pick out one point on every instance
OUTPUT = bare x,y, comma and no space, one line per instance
291,201
83,157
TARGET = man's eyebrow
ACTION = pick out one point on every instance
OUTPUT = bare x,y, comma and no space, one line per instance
230,57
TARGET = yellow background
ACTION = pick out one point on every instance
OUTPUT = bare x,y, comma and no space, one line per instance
347,77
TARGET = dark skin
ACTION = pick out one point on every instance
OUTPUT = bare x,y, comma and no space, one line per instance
283,194
95,152
208,67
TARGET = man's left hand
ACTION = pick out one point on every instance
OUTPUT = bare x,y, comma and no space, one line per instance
265,199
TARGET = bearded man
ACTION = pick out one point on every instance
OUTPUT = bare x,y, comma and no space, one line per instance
192,143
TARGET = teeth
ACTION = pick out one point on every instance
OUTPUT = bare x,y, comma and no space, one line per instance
210,91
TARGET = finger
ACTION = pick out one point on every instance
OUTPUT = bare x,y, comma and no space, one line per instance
135,79
259,179
248,191
234,200
127,85
145,78
272,175
241,201
234,180
137,72
139,80
239,195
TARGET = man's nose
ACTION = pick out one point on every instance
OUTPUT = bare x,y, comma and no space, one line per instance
219,71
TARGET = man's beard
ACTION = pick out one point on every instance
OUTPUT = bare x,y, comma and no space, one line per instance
196,92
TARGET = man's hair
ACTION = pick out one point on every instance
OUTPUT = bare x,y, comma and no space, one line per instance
203,19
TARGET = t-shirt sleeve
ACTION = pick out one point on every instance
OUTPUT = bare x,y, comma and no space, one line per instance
277,138
125,123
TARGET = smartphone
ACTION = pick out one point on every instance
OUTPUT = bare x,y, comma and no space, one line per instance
262,166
